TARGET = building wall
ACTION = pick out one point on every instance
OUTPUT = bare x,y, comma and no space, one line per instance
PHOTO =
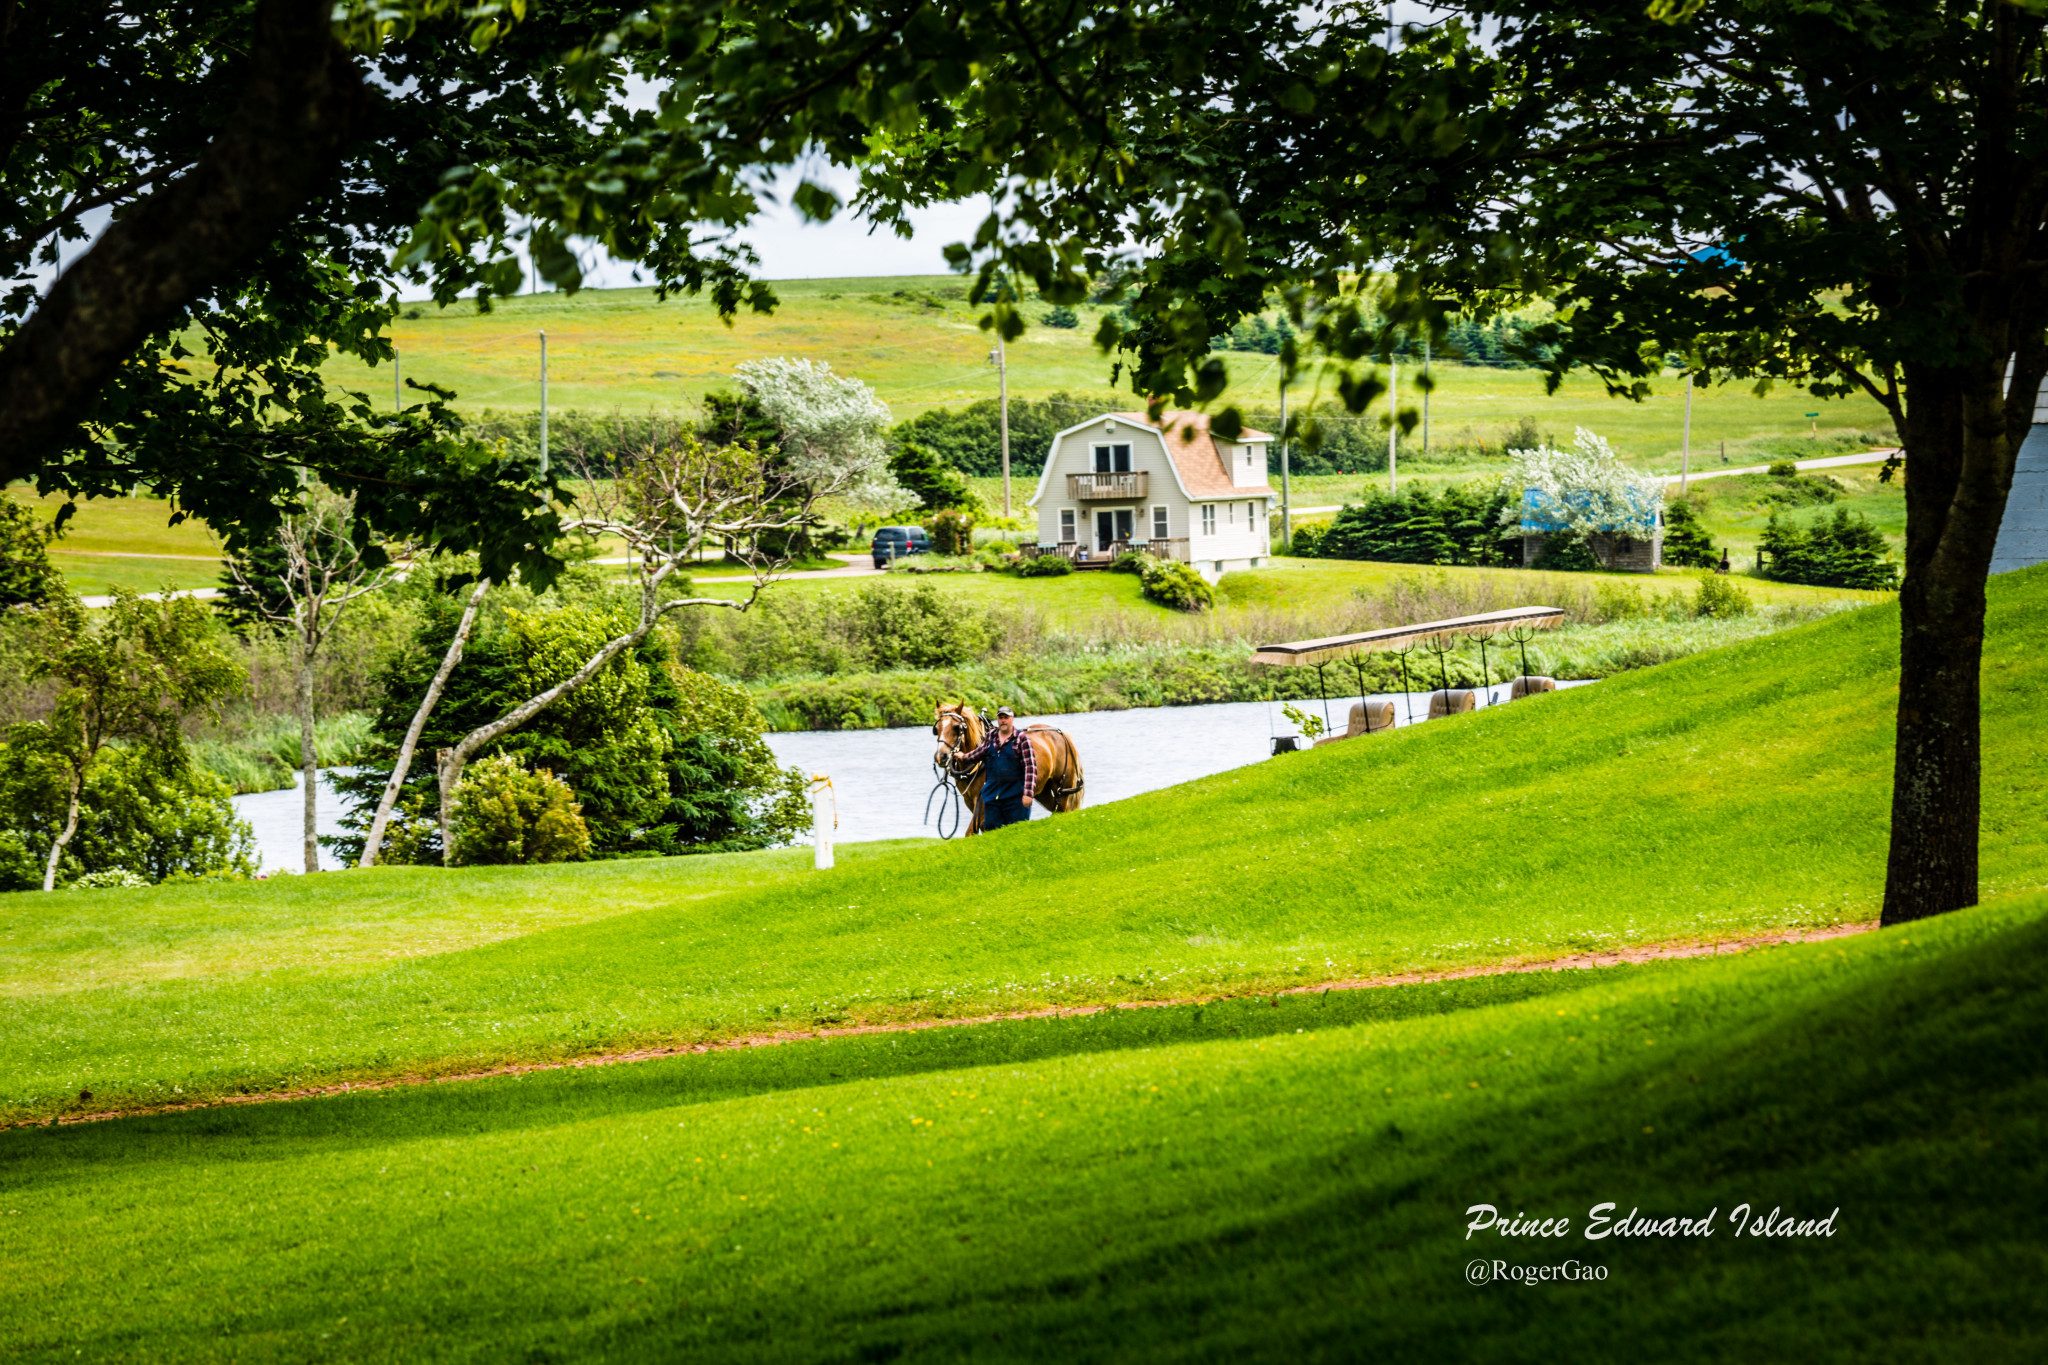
2023,534
1621,554
1243,525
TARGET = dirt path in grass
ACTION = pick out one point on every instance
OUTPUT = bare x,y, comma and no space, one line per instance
1649,952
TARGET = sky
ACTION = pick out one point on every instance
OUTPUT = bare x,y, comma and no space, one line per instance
845,247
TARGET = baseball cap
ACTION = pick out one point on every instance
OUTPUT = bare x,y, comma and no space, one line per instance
1006,711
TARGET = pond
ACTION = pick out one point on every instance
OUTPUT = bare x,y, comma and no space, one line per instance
279,819
883,777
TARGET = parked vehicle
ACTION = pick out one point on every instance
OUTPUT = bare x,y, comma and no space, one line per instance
894,542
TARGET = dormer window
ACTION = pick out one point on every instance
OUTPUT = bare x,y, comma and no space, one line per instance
1113,459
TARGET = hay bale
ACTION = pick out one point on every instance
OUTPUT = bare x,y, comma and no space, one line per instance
1526,686
1453,703
1368,717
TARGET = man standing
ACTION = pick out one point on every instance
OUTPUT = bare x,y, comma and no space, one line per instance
1012,773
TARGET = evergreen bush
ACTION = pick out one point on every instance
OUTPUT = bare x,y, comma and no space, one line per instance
1686,542
1043,566
1459,525
1843,551
505,814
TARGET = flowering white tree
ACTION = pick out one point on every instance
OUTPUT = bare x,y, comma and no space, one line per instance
832,430
1586,488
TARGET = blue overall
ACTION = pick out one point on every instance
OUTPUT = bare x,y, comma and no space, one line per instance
1002,791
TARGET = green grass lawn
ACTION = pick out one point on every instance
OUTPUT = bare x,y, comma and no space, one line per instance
1257,1181
1082,601
1737,790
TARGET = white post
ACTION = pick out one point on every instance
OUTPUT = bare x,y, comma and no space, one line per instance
543,402
824,819
1393,425
1685,444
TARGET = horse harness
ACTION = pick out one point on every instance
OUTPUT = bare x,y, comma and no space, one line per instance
1053,792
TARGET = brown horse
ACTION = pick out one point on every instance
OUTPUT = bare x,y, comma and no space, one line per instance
961,731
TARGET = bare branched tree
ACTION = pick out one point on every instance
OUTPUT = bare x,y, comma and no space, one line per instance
402,765
666,503
328,563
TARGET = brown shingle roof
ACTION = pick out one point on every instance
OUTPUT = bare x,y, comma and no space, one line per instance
1194,455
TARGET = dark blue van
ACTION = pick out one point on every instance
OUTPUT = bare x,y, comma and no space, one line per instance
894,542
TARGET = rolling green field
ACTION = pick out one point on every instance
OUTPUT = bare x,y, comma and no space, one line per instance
915,340
1259,1177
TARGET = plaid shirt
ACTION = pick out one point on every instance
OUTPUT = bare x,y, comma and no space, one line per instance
1024,751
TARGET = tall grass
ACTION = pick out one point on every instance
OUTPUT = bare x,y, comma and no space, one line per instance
266,757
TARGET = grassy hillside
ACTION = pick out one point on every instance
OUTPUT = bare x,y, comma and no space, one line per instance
916,341
1241,1182
1737,790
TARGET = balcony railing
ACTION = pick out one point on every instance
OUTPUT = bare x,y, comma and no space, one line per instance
1108,487
1176,548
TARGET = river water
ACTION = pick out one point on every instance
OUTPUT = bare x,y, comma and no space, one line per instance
882,778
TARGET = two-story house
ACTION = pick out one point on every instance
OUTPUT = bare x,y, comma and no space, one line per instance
1174,488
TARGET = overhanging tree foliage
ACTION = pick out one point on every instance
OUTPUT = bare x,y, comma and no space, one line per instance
1847,196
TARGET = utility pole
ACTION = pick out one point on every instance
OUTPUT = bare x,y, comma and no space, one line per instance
1000,360
1286,493
1685,442
543,401
1425,399
1393,427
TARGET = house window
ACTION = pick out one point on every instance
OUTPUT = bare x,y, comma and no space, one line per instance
1231,512
1208,518
1247,457
1159,531
1251,514
1066,526
1113,459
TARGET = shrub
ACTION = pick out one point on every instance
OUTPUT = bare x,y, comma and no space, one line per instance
1840,552
1784,469
1307,541
1720,596
952,532
1171,583
1043,566
1130,561
1061,317
1567,551
1686,542
1460,525
505,814
139,816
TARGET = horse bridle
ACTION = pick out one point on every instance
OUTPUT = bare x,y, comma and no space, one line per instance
955,748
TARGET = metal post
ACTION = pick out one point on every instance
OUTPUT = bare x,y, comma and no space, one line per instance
1324,693
1425,398
1685,444
1393,424
1002,359
1286,492
543,401
1485,672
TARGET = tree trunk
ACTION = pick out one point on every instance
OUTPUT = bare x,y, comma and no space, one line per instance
309,758
403,766
1958,471
64,836
301,106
